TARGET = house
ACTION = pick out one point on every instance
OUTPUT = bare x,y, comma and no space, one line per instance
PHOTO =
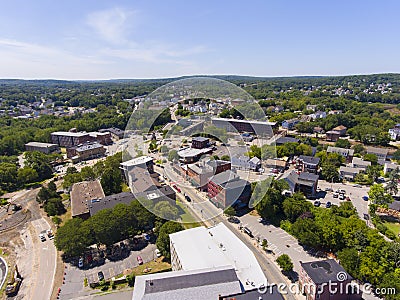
201,248
244,162
276,164
349,173
311,107
334,112
307,163
285,139
341,129
199,142
346,153
45,148
88,150
360,163
304,182
289,124
332,136
395,132
318,115
381,153
318,129
83,193
227,189
319,278
389,167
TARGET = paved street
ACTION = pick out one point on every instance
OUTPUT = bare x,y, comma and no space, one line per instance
3,271
74,278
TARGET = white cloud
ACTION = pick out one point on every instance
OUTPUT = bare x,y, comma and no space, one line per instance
111,25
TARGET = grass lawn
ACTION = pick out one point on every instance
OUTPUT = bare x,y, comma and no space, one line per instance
395,227
66,216
188,220
125,187
153,267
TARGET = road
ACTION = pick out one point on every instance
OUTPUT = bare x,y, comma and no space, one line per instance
203,210
46,254
3,271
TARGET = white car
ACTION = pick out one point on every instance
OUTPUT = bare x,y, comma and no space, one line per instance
42,237
158,253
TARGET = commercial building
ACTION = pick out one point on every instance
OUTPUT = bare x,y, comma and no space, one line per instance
144,162
42,147
304,182
95,205
260,128
190,155
83,193
346,153
88,150
200,142
319,278
307,163
226,189
201,248
116,133
71,138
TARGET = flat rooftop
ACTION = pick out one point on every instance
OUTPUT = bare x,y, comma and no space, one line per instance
200,248
137,161
324,271
191,152
42,145
81,193
88,146
71,134
244,121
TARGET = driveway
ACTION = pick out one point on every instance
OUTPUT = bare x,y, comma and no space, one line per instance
74,278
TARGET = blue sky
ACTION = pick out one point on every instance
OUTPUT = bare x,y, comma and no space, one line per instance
153,38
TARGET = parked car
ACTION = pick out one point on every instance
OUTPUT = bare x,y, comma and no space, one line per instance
42,237
139,260
260,220
248,232
317,203
328,189
176,188
328,204
341,196
365,198
233,220
335,195
188,199
80,263
100,275
50,234
157,252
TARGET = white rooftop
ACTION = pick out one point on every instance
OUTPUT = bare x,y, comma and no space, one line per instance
136,161
67,133
245,121
191,152
200,248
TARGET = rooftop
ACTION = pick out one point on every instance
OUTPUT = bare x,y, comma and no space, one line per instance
82,193
284,139
224,177
310,160
245,121
88,146
95,205
375,150
191,284
43,145
340,127
340,150
324,271
200,248
71,134
360,162
190,152
142,160
200,139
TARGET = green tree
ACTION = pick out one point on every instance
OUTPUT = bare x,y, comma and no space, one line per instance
230,211
166,210
27,175
350,260
371,157
163,237
295,206
392,185
378,196
307,232
173,155
285,263
359,149
225,157
111,181
329,172
342,143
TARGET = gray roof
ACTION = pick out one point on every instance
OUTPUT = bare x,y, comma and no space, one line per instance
323,271
272,293
375,150
308,176
311,160
96,205
341,151
395,205
88,146
283,140
200,139
224,177
192,284
39,144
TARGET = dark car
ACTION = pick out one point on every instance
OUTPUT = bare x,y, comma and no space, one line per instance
317,203
233,220
188,199
248,232
100,275
328,204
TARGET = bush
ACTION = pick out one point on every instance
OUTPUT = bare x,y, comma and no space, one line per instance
286,225
130,279
112,284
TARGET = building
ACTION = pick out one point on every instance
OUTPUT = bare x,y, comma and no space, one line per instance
285,139
88,150
307,163
278,164
83,193
199,142
199,174
201,248
395,132
289,124
389,167
349,173
304,182
226,189
140,180
346,153
318,115
381,153
144,162
116,133
332,136
69,139
319,130
260,128
360,163
341,129
42,147
190,155
108,202
244,162
319,278
103,138
199,284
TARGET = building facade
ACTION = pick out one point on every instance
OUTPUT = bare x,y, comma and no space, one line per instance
45,148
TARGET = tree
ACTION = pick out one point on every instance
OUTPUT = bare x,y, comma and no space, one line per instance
111,181
342,143
163,237
329,172
164,149
40,162
230,211
268,199
350,260
285,263
225,157
371,157
359,149
173,155
373,172
392,185
295,206
378,196
396,155
307,232
27,175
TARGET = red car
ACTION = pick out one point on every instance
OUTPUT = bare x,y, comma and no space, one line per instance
140,260
175,187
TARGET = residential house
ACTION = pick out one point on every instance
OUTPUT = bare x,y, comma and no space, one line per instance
332,136
318,129
278,164
346,153
304,182
244,162
349,173
227,189
318,278
341,129
289,124
360,163
381,153
307,163
318,115
389,167
395,132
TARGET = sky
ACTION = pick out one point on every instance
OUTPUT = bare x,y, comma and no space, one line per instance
95,39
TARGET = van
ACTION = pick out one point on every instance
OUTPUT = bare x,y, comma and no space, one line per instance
248,232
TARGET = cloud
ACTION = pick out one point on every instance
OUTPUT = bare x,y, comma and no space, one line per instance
111,25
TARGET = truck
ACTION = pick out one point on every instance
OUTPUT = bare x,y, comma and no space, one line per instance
14,283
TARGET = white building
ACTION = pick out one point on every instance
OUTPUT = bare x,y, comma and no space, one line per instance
214,247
